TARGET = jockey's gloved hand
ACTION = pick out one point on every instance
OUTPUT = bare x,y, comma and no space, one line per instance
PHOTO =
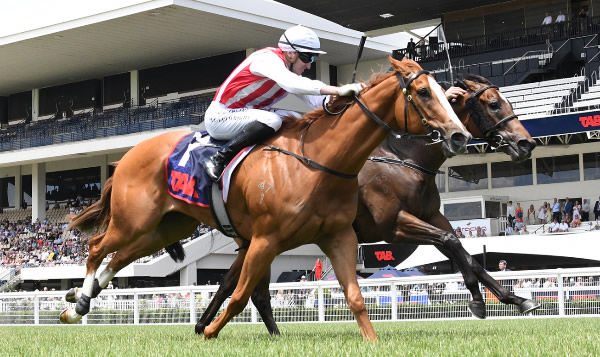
350,89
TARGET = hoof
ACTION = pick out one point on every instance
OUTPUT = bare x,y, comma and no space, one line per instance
528,306
200,329
73,295
66,317
477,308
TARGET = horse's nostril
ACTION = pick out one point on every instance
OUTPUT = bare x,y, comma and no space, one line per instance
526,145
459,139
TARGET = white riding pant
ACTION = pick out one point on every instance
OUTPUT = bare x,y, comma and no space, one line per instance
223,123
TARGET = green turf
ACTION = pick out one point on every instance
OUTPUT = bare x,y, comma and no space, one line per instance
522,337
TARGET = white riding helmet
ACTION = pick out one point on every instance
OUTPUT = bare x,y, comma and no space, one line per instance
301,39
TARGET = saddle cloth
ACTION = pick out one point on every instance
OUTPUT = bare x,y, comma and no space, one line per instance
186,177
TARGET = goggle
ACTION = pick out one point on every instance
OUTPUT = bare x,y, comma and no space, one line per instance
307,57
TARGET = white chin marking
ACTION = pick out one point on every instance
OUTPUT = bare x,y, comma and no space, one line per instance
435,88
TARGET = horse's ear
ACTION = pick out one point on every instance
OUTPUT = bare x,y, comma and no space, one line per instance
396,65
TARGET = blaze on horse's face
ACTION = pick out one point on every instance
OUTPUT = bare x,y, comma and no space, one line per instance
514,139
429,98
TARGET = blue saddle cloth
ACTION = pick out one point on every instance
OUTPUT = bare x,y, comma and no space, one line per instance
186,177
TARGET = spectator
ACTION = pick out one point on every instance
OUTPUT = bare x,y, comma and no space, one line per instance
582,19
556,210
459,233
548,213
524,230
568,206
510,213
585,210
519,213
502,266
576,221
597,210
547,20
531,219
411,49
563,226
509,230
542,213
559,18
318,269
555,226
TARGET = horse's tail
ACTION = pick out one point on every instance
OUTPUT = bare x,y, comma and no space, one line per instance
97,216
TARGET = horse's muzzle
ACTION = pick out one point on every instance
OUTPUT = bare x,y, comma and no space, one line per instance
458,142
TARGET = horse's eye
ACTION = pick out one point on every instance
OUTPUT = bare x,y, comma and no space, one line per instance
424,93
494,105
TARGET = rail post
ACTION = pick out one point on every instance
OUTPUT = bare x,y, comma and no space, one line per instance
561,293
394,302
36,309
192,307
136,309
321,303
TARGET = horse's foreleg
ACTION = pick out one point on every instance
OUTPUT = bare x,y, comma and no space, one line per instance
410,229
342,250
456,251
262,300
259,257
226,287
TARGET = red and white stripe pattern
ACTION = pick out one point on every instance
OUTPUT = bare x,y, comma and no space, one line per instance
243,89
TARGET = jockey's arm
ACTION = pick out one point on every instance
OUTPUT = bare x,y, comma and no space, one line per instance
269,65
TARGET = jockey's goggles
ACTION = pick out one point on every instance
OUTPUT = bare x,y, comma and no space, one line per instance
307,57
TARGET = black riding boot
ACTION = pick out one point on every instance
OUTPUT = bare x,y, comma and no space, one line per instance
252,134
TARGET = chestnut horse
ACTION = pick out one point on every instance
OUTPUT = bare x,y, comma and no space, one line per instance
399,201
304,204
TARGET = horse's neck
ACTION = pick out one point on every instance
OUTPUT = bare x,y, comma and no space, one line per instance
418,152
345,143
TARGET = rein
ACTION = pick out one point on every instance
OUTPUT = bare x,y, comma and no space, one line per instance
410,165
433,134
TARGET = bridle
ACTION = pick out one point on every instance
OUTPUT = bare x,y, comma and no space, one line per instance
434,135
490,134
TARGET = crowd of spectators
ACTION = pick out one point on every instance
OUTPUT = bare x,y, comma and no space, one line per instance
558,216
26,243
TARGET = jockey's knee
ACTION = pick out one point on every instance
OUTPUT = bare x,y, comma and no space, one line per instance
273,120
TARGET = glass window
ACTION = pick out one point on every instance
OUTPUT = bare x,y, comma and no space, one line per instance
73,184
557,169
463,210
467,177
509,173
7,189
492,209
26,187
591,166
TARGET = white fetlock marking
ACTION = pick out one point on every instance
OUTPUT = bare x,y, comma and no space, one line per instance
88,284
78,293
105,277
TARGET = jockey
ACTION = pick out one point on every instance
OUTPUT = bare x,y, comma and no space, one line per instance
241,110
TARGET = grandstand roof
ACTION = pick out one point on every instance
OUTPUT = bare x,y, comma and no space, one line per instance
365,16
44,44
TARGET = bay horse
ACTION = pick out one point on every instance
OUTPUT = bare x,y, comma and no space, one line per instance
399,201
136,216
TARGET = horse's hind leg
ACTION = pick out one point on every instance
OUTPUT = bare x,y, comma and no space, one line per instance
98,250
261,298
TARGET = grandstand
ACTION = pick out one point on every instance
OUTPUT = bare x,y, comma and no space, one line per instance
108,78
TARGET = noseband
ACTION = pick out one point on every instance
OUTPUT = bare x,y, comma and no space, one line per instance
490,135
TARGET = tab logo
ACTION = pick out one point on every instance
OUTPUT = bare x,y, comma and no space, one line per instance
384,255
183,183
590,120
